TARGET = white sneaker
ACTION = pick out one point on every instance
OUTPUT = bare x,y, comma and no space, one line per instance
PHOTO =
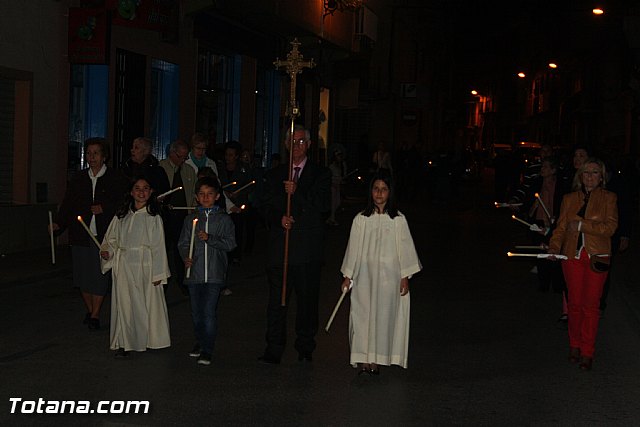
204,359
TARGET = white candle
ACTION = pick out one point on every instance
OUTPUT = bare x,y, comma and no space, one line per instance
243,187
193,235
520,220
557,256
525,255
89,231
540,247
229,184
184,208
546,211
53,244
163,195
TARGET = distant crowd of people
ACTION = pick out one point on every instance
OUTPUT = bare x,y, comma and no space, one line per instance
580,211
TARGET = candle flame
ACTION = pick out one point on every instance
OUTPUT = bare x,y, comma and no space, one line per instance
195,220
537,196
243,206
79,218
513,216
509,254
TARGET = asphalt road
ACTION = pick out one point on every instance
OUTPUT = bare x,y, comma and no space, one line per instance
486,348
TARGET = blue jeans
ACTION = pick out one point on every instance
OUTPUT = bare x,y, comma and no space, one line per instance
204,302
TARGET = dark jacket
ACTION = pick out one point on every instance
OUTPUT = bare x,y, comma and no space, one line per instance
310,206
150,169
109,193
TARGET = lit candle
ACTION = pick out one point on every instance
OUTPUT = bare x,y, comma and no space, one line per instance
193,235
520,220
243,187
53,244
89,231
546,211
525,255
163,195
229,184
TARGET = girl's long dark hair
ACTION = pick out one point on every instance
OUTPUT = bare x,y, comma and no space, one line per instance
153,207
391,208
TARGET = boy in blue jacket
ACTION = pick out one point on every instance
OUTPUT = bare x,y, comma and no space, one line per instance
214,236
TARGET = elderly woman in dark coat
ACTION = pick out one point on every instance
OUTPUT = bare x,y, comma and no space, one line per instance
93,194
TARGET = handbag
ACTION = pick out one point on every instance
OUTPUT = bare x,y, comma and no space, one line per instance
600,263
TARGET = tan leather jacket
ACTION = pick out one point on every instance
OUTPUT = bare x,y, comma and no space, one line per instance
599,223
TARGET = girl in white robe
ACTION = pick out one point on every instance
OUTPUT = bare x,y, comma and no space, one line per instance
133,248
380,259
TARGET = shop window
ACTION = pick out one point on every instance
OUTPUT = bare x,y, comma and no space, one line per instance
88,110
164,105
267,115
214,100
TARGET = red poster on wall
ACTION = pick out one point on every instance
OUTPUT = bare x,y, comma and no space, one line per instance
148,14
88,36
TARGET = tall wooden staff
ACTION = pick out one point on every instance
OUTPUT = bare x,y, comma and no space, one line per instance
294,65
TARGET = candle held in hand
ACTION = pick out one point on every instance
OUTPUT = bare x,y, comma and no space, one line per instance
193,235
84,225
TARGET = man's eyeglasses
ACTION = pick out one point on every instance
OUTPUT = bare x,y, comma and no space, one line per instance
299,141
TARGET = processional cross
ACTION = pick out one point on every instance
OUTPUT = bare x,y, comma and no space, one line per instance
294,64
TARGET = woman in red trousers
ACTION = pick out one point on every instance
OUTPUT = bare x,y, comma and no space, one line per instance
588,219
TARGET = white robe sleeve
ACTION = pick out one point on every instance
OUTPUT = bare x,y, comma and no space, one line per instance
409,262
353,254
109,243
159,263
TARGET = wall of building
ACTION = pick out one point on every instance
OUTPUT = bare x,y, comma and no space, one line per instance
33,40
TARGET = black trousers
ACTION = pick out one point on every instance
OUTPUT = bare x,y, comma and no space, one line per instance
304,281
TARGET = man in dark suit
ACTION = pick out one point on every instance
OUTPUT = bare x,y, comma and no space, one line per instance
310,190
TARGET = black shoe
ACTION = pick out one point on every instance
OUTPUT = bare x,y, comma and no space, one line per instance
121,354
196,351
268,360
94,324
86,318
305,357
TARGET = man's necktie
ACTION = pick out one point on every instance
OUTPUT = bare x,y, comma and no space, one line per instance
296,173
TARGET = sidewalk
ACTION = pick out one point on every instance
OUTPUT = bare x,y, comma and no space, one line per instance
31,266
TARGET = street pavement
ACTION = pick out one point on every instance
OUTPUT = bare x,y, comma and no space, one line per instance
486,348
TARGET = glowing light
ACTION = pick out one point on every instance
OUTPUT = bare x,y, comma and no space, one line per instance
553,65
522,75
474,92
598,11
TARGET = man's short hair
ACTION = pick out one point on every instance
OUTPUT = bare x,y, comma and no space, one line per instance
178,143
297,128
